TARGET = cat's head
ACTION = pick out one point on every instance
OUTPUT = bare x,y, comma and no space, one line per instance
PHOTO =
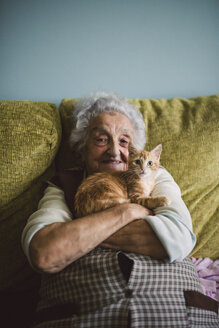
145,162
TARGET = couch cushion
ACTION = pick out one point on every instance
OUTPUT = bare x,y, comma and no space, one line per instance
189,132
30,133
28,144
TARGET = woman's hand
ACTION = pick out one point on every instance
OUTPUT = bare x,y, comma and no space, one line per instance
137,237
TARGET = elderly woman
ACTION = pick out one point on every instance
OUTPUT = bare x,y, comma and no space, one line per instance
124,266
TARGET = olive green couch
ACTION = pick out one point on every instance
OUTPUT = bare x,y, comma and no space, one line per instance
33,144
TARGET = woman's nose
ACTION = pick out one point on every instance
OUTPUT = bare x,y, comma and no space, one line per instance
113,149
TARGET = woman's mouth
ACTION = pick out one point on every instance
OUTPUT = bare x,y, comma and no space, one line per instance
112,162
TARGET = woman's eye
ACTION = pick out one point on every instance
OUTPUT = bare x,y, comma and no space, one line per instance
101,141
137,161
150,163
124,142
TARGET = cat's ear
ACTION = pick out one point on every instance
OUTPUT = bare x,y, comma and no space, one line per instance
132,149
157,151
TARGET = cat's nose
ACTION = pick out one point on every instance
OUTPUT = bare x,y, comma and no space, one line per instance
142,171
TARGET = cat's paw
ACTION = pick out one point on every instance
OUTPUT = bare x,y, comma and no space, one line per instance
164,201
141,201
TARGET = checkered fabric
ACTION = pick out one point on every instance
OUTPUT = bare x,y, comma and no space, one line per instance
105,292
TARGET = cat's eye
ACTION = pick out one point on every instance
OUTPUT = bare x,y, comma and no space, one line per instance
150,163
137,161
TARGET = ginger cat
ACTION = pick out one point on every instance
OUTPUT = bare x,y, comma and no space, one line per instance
106,189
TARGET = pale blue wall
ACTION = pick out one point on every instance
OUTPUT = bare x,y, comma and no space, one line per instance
51,49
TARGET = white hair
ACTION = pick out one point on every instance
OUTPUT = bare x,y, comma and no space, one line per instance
102,102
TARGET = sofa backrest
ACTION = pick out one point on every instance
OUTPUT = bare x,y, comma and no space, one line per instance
30,135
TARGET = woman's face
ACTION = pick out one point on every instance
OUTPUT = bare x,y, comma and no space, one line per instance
107,146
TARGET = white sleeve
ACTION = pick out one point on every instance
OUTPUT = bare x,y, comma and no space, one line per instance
52,208
172,224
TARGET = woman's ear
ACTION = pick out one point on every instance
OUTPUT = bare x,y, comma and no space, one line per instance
82,153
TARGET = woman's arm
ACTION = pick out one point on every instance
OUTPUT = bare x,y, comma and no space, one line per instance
137,237
52,240
172,226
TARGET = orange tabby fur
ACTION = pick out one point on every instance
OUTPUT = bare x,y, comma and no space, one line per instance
106,189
